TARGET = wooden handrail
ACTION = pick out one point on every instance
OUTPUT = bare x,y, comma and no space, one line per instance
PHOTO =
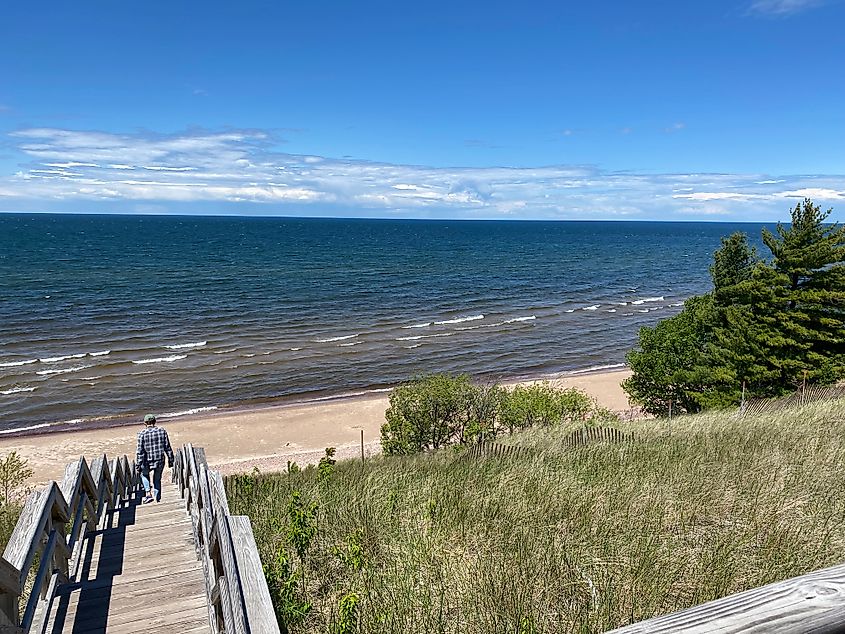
81,498
238,597
814,602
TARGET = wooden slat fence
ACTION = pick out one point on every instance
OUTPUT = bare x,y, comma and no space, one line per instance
238,598
80,501
812,394
487,449
591,435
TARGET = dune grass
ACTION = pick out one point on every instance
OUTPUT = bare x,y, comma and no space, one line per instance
568,540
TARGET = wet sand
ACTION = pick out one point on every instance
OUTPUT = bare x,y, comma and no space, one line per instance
267,437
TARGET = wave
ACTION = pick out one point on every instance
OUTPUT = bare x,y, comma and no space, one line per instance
62,358
292,350
499,323
612,310
174,357
102,353
16,390
620,303
330,339
183,346
569,310
412,346
14,364
187,412
17,429
347,345
225,351
518,319
646,300
676,304
440,334
458,320
425,325
593,307
596,368
64,370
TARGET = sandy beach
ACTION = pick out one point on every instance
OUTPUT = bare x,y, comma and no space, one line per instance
267,437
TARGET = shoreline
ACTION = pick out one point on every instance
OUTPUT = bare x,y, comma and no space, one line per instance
268,435
257,404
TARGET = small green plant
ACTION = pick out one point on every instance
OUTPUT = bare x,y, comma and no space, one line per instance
347,615
302,524
352,552
326,466
14,472
293,467
284,583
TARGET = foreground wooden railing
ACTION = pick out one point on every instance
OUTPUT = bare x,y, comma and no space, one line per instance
238,597
80,501
814,602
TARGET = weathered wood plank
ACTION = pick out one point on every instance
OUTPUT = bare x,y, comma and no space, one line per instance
815,600
258,605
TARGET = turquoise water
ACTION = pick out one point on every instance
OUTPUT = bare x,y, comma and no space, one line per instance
104,316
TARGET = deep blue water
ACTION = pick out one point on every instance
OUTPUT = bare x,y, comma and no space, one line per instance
116,315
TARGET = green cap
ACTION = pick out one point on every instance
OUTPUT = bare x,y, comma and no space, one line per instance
150,418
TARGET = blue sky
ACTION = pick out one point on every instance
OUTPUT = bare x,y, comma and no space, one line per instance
720,110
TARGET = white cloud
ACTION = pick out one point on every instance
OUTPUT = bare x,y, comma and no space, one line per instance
239,167
782,7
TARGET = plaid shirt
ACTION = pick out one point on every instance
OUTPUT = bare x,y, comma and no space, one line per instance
153,444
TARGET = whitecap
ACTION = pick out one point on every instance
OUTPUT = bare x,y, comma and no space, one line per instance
195,410
612,310
518,319
347,345
458,320
292,350
102,353
64,370
17,390
646,300
14,364
62,358
593,307
174,357
330,339
425,325
569,310
643,311
182,346
412,346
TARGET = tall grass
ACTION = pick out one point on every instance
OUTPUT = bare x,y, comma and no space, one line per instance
569,540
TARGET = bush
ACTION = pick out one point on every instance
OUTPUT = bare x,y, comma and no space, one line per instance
541,405
437,410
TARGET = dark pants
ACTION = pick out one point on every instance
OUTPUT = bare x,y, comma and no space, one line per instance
156,470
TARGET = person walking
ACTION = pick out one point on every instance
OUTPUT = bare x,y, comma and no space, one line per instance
153,446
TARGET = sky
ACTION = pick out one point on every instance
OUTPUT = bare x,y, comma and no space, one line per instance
722,110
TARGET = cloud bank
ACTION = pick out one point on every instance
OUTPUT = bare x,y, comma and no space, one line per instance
240,171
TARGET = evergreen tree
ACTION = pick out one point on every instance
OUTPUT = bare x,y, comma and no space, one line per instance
769,325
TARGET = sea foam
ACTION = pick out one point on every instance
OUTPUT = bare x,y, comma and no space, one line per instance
17,390
423,325
195,410
15,364
62,358
330,339
64,370
440,334
184,346
646,300
458,320
174,357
